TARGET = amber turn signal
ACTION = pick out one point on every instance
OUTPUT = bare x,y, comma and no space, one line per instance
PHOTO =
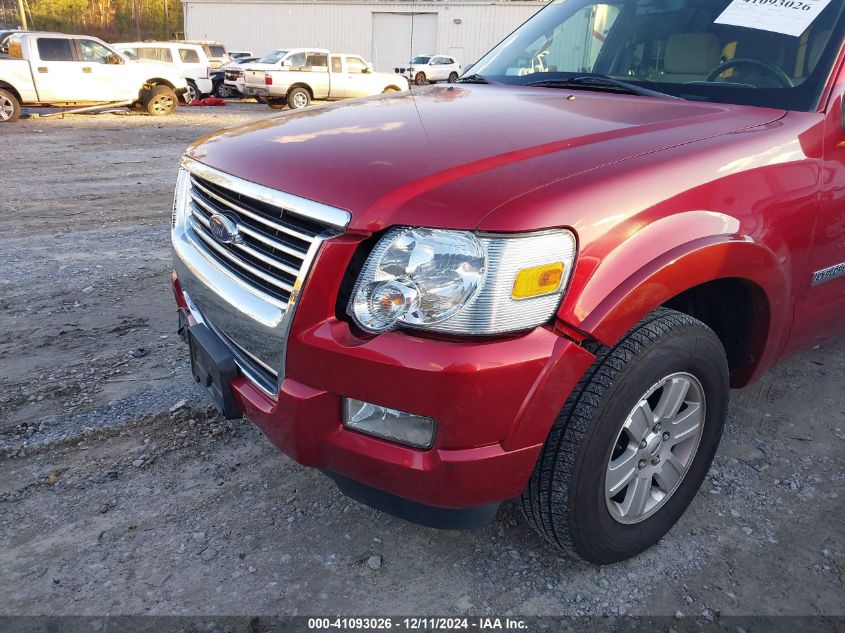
536,281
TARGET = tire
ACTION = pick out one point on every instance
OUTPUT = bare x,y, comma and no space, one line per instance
10,107
277,103
453,77
193,93
566,499
224,91
420,79
159,101
299,98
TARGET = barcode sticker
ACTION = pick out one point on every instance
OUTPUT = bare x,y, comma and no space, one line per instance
790,17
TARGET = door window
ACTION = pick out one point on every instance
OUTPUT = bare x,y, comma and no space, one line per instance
53,49
189,56
355,65
96,53
337,66
155,54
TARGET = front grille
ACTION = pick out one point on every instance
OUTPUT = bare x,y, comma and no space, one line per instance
275,241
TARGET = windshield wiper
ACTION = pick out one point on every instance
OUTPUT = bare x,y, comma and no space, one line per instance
588,82
475,78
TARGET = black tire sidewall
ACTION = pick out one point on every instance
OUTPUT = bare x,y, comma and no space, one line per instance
599,537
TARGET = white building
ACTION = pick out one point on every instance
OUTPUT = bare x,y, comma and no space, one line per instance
388,33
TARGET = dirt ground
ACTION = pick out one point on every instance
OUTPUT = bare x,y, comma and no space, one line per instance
121,492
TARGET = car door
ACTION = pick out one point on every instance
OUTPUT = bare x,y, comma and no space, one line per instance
437,70
820,310
57,71
357,82
103,73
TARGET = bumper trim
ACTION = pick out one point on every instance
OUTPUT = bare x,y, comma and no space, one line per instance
413,511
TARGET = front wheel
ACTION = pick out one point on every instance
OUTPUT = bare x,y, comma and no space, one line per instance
159,101
633,442
10,107
299,98
420,79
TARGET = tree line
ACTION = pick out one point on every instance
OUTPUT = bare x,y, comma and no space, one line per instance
110,20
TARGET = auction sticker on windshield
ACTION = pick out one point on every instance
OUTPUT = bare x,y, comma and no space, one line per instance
790,17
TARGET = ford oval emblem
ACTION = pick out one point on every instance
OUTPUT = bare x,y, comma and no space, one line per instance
224,229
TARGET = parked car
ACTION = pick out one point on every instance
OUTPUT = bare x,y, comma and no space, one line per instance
215,51
234,76
426,69
222,88
190,58
50,69
539,282
301,75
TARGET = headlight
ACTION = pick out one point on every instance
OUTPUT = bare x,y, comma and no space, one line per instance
462,283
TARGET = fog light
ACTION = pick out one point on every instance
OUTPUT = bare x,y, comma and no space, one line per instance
389,424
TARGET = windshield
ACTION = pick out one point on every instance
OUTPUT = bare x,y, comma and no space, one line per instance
422,59
272,58
730,51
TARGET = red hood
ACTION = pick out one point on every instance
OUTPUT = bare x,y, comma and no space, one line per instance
449,156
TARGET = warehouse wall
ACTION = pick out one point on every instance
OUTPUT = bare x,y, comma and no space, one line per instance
265,25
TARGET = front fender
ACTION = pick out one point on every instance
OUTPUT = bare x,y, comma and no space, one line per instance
613,288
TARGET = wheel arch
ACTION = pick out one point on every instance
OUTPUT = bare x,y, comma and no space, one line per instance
299,84
736,285
5,85
155,81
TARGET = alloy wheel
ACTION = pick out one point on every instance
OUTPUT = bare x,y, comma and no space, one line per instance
655,448
163,104
300,100
7,108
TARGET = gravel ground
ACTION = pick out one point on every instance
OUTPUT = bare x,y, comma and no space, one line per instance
121,491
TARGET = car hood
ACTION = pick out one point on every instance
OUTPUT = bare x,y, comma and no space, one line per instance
449,156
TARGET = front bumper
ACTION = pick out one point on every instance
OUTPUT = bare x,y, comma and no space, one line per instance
204,85
494,402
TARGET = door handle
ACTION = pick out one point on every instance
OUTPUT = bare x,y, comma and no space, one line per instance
86,69
42,69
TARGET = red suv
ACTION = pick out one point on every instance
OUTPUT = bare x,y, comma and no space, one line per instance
538,282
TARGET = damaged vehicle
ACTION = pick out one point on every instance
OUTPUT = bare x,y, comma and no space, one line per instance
539,282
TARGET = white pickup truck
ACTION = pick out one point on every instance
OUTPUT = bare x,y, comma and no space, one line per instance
61,70
297,76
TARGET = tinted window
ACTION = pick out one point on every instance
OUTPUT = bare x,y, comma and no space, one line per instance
337,67
189,56
217,51
422,59
155,54
355,65
54,49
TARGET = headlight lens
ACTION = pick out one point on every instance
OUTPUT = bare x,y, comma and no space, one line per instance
461,283
418,277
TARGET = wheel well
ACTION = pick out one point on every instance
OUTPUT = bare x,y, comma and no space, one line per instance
393,87
11,88
738,312
306,86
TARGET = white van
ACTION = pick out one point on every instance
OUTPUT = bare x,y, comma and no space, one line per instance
190,58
